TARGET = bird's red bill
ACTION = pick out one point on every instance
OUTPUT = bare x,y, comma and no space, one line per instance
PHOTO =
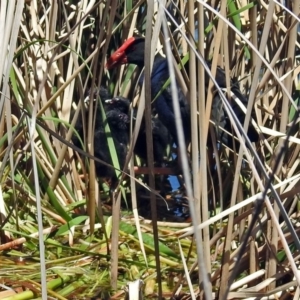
119,56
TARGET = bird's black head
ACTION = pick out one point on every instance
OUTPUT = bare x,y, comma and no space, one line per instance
117,119
131,52
102,92
118,103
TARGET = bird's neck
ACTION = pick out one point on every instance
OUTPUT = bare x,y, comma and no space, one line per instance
160,65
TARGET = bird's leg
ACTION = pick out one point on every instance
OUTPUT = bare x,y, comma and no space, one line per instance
112,188
161,182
